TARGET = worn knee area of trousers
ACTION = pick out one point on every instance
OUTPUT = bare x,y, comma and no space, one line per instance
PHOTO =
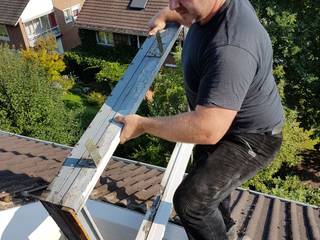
190,204
201,220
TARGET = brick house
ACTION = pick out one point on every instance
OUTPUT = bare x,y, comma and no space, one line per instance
23,21
119,21
66,13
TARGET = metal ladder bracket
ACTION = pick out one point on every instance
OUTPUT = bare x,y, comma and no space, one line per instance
93,151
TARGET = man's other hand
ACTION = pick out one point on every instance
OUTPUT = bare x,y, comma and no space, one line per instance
157,23
132,127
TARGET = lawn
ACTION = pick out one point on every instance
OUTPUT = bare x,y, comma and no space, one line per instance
81,102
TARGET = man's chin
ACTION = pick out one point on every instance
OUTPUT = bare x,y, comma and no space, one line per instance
188,17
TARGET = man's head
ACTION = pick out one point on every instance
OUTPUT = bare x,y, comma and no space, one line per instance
196,10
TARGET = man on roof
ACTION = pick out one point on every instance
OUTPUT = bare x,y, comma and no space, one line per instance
236,114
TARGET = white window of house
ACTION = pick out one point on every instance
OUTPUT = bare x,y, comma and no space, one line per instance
38,26
45,23
105,38
4,33
71,14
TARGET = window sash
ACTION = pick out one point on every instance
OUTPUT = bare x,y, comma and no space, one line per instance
38,26
67,15
105,38
71,14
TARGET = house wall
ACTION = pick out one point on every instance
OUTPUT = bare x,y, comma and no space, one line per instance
36,8
17,35
70,37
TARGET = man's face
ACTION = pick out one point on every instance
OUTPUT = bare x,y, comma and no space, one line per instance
192,9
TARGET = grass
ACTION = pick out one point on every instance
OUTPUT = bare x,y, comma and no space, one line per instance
78,102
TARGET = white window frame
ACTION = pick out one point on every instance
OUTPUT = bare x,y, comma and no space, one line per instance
5,38
33,32
105,40
69,15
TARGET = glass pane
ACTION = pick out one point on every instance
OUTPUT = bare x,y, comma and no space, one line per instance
109,38
29,28
101,37
45,23
67,15
75,12
36,26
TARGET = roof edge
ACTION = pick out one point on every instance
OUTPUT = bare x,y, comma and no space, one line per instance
155,167
36,139
280,198
138,32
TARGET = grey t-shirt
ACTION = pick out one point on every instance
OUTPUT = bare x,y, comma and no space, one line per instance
228,63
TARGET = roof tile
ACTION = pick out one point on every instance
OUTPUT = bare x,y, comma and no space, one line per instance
11,10
134,185
115,16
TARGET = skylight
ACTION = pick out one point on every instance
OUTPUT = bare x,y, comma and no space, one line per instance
138,4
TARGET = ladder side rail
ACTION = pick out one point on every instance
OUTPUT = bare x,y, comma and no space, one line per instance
156,218
161,219
101,120
68,178
87,177
148,218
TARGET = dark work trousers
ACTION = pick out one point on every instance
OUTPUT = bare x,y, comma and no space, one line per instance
202,199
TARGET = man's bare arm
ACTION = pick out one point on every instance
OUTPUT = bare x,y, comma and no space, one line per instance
205,125
158,22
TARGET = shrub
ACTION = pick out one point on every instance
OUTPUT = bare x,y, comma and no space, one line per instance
111,72
292,188
84,67
96,98
29,105
267,180
72,101
94,69
45,55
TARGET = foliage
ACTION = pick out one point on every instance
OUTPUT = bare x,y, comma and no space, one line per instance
268,181
94,69
295,33
169,95
29,105
44,54
111,72
65,82
72,101
168,99
96,98
292,188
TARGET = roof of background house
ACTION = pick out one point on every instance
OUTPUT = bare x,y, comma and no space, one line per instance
116,16
29,165
11,10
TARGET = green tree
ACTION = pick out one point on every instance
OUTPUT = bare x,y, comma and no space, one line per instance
29,104
294,29
168,98
44,53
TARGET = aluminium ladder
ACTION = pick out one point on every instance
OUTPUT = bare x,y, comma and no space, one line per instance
65,197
